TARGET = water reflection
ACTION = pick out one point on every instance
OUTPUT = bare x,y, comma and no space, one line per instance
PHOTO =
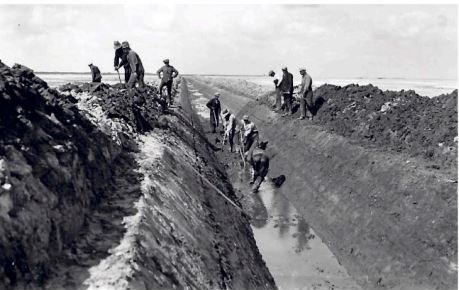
303,236
260,212
294,255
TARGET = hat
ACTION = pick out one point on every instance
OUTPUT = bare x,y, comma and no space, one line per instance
125,44
225,111
166,60
217,94
284,68
90,64
116,44
302,69
245,118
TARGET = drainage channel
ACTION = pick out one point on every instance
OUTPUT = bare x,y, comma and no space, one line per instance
296,257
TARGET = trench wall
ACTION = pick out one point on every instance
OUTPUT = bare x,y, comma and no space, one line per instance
390,221
185,235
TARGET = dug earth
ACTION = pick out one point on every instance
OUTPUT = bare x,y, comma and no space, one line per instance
375,175
100,191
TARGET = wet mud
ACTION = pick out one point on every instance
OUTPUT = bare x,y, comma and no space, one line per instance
294,254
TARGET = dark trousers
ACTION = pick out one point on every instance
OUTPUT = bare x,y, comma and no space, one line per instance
250,140
260,166
288,100
127,73
168,86
214,120
231,137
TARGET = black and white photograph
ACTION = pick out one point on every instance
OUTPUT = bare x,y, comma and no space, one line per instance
238,145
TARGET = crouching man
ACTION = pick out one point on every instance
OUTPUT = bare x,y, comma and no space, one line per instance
260,165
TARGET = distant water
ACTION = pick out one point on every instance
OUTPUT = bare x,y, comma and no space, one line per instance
424,87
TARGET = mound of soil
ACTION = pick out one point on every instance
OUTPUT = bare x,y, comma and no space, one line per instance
139,108
400,121
55,168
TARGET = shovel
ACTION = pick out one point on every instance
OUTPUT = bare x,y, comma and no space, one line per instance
119,75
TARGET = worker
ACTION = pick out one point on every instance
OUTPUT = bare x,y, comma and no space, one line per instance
135,65
229,123
121,60
276,79
215,108
260,165
249,133
95,73
305,94
286,89
169,73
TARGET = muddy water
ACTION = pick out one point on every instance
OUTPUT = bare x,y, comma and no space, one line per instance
296,257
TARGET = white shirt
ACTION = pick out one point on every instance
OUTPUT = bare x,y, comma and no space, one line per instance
278,77
248,128
229,124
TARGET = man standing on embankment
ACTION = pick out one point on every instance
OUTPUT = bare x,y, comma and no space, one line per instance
121,60
276,79
169,73
305,94
135,65
215,108
286,88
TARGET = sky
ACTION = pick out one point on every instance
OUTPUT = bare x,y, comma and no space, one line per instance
345,41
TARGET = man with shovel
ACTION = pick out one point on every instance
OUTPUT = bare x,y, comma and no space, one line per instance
249,133
229,123
215,108
121,60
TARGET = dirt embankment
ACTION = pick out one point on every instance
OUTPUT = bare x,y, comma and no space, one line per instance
390,219
90,199
386,209
55,167
401,121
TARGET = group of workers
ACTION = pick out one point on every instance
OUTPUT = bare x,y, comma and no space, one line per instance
134,71
248,136
248,132
283,84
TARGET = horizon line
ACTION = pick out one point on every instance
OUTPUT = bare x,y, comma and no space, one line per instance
248,75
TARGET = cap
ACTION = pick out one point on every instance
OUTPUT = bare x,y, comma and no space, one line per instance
217,94
125,44
166,60
225,111
245,118
302,69
116,44
90,64
284,68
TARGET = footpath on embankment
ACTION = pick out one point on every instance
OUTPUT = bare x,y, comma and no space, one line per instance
102,191
390,217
